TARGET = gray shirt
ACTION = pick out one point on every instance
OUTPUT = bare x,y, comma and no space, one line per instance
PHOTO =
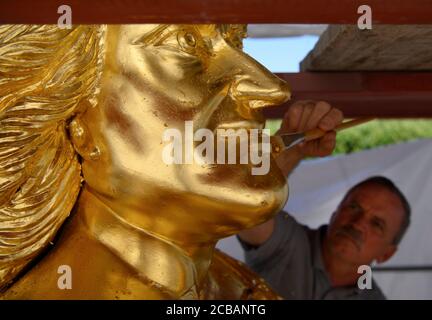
291,262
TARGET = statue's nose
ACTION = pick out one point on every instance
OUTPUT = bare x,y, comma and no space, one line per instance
257,85
260,94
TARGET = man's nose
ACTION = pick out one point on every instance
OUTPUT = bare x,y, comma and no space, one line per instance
359,223
256,85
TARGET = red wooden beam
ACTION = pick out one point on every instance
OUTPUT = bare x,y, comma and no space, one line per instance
206,11
378,94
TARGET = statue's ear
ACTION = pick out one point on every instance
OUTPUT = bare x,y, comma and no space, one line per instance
82,141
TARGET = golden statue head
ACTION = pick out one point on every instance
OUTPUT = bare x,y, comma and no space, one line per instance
88,107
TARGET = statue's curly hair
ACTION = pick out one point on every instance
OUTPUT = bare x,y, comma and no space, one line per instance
47,75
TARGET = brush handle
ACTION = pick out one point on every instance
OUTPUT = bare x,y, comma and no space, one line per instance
318,133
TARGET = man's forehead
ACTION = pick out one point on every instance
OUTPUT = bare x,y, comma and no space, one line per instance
377,198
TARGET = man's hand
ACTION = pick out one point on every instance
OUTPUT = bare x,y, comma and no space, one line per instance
307,115
301,116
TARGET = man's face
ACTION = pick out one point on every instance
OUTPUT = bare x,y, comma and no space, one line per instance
157,77
365,225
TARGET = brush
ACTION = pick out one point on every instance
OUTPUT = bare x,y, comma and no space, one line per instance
286,141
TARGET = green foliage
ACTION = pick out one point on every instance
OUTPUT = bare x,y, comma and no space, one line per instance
273,125
375,133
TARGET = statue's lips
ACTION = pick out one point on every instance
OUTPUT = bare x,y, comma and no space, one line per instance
232,129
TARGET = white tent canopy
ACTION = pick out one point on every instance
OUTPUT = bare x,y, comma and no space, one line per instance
284,30
317,186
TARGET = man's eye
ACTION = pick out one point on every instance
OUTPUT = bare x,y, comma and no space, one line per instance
353,205
378,225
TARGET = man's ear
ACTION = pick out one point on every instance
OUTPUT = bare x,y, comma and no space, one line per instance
390,251
82,140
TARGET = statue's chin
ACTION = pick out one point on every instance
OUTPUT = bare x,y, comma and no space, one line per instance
232,198
239,216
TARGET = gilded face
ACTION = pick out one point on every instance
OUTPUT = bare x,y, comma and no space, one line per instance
157,77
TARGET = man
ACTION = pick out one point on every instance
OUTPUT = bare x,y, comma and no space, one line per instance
367,226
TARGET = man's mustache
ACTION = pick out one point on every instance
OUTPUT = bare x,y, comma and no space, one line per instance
353,233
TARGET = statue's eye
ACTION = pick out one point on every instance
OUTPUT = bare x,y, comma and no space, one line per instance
190,39
187,40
